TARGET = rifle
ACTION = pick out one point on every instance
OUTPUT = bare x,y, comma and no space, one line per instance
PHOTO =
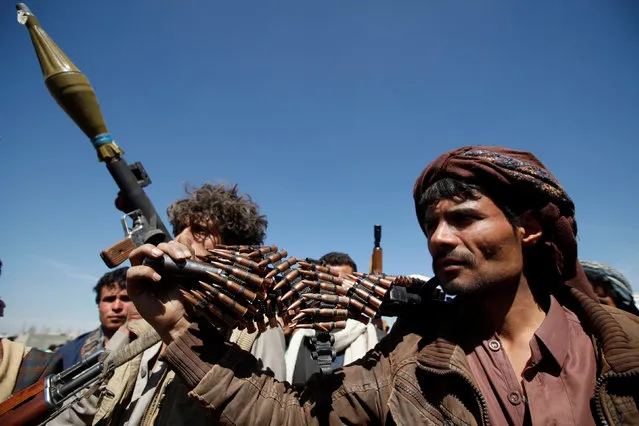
378,253
73,92
33,404
48,397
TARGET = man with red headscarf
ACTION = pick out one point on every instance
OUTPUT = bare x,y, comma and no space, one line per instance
523,342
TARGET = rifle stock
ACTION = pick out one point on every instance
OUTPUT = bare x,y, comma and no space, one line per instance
25,407
378,254
117,253
73,92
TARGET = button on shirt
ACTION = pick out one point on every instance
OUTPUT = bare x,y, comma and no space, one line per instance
149,376
558,381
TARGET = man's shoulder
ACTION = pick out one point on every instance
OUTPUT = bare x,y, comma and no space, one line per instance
430,319
9,345
70,352
404,342
431,323
75,343
628,322
35,365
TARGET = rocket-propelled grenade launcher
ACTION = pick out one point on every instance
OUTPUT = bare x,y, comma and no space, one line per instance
73,92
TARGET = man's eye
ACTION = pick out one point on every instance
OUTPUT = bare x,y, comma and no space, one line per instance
199,231
463,220
430,227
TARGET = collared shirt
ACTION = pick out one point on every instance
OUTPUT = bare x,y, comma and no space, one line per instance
557,383
148,378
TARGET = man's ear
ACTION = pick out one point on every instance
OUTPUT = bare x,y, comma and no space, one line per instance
530,229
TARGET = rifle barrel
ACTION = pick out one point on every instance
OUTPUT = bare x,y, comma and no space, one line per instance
377,256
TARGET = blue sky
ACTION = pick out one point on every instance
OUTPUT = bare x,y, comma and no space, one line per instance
324,112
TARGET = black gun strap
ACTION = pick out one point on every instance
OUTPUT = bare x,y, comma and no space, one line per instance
323,341
324,352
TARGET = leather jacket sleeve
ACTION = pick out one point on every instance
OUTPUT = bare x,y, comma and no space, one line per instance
228,381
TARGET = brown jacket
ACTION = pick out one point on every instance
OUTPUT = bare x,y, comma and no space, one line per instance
416,375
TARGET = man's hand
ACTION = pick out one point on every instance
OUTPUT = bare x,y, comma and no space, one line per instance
158,300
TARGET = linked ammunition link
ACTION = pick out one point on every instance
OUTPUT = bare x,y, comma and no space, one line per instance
247,287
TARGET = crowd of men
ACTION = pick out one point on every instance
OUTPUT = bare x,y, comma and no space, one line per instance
531,336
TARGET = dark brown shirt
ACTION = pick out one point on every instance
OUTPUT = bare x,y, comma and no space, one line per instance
557,383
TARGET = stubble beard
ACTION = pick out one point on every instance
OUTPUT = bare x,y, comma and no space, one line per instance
454,288
465,286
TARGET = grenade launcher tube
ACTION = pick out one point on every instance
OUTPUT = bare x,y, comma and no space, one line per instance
128,184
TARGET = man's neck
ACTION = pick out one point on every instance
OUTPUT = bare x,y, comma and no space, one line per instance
513,312
107,335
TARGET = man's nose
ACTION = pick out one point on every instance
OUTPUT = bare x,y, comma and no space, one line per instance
442,236
117,305
185,237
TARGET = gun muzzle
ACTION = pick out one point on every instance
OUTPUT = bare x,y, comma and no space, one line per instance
378,235
69,87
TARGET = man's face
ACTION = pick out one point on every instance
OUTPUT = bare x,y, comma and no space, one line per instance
200,238
342,269
473,245
113,307
603,293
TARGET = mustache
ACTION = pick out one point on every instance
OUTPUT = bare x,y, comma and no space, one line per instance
460,257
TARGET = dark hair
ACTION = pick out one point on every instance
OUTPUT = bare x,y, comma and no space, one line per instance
112,279
234,217
336,258
540,258
459,190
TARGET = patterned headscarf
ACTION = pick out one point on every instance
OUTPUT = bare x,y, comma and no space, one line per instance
510,172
